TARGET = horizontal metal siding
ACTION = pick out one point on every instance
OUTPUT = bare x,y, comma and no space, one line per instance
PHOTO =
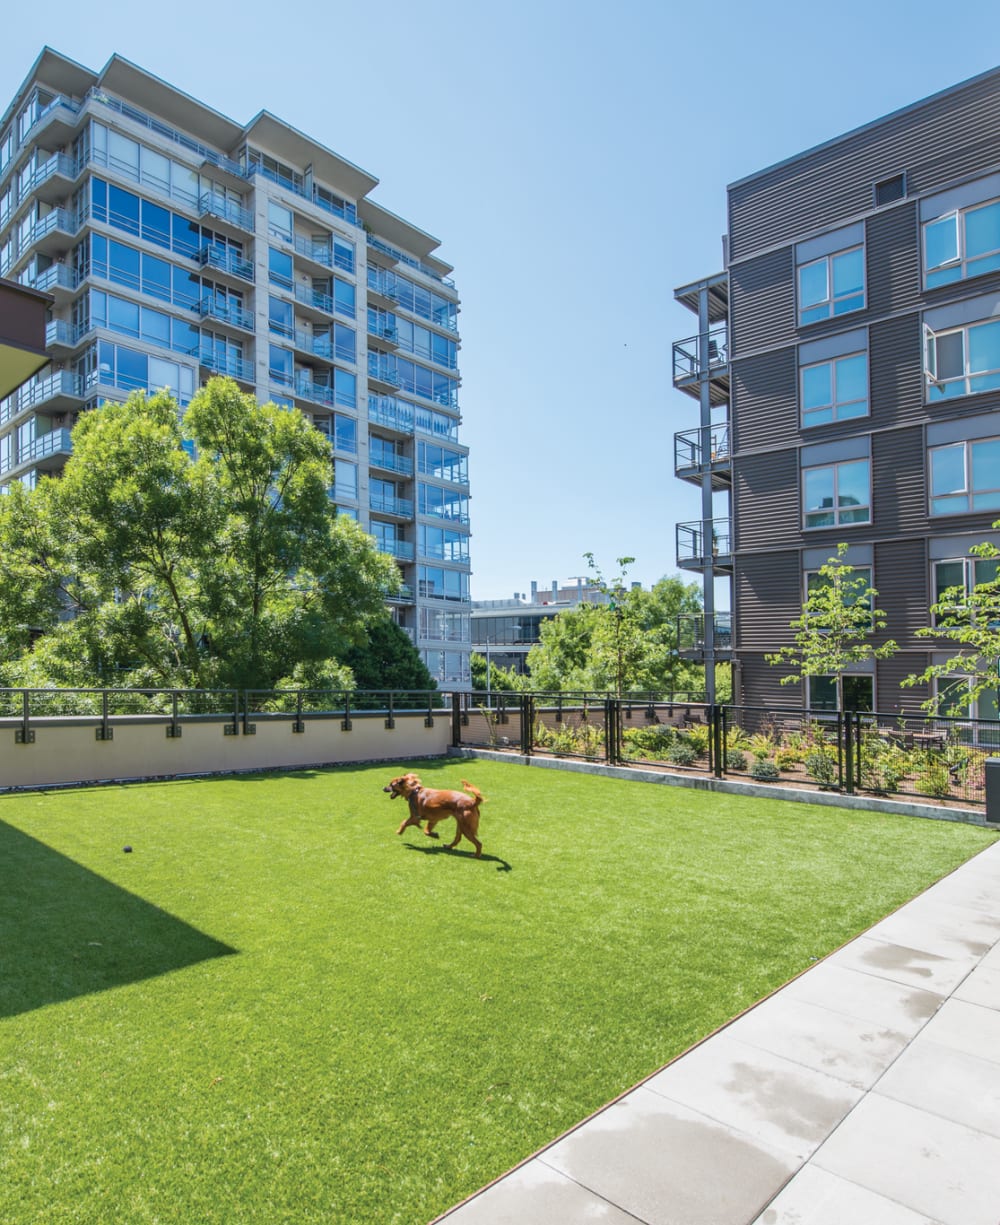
761,303
760,685
891,246
899,500
891,696
766,493
901,580
764,402
934,144
896,372
768,590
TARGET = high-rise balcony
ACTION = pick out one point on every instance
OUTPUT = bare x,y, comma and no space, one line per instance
314,250
318,393
48,452
390,414
692,636
212,204
59,280
321,345
211,307
224,260
383,504
382,370
238,368
705,544
55,393
53,179
382,285
701,357
51,234
402,550
61,335
315,299
403,595
387,461
384,333
692,458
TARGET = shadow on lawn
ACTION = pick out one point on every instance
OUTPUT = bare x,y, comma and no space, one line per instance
67,931
446,850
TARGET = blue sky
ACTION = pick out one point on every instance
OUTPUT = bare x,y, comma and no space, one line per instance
572,157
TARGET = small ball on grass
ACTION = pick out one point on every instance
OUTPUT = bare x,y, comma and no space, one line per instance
127,850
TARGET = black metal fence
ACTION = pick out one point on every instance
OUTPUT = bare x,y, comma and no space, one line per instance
912,754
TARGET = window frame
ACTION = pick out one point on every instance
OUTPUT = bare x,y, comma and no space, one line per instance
961,260
961,382
835,403
835,466
969,491
832,300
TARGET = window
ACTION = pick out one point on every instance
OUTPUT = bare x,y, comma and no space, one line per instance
847,693
834,390
889,190
345,479
965,477
279,220
963,360
281,365
343,298
832,285
280,267
963,573
963,243
438,583
281,317
836,495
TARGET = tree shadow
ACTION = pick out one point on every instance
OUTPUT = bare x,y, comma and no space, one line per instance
457,854
66,932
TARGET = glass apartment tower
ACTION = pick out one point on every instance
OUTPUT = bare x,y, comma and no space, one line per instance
177,244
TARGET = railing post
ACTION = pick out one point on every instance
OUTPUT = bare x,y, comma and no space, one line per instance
105,731
719,740
25,734
249,729
345,723
298,724
429,720
456,720
390,722
849,717
527,724
174,726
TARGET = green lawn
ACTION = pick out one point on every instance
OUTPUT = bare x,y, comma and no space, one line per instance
275,1010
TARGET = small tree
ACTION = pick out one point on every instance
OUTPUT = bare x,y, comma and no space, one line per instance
836,626
970,619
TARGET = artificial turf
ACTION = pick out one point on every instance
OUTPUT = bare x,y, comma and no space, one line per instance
274,1010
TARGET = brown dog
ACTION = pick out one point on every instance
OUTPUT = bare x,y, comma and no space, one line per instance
431,806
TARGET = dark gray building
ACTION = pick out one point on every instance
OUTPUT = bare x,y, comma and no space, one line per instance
847,370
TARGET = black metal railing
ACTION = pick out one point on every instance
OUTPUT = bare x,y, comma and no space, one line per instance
926,756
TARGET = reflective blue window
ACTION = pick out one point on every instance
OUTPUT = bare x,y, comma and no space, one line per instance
279,267
962,244
123,209
155,224
156,277
833,285
344,298
281,316
155,327
123,265
99,200
123,316
345,387
835,390
187,289
186,236
184,337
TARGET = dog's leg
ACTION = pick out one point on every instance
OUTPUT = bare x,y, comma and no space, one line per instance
411,820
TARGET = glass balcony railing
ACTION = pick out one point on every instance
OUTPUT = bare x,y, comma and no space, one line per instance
58,164
227,365
688,358
390,462
400,549
320,393
56,277
211,204
692,635
38,392
322,345
59,332
395,253
226,312
60,219
225,260
56,442
392,413
403,595
384,504
689,452
700,542
315,298
385,372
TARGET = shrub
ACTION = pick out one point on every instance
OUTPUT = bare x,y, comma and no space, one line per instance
696,737
735,760
682,753
935,779
761,745
765,771
653,741
822,767
883,764
786,759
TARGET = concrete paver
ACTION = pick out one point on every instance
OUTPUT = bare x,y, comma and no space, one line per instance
867,1090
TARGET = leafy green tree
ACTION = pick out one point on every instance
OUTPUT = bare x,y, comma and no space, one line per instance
836,627
387,659
627,642
221,565
970,620
501,680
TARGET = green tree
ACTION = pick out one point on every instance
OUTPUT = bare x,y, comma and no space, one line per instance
836,626
968,618
501,680
387,659
146,564
626,642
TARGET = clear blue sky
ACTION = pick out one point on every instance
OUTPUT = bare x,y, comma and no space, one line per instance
573,158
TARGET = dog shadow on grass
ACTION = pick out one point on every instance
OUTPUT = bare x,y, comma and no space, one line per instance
504,866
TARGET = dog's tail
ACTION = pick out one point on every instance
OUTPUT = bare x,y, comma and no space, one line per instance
480,798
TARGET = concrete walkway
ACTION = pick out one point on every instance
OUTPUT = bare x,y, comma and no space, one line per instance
866,1092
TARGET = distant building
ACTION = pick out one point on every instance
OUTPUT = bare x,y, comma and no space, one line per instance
847,371
505,630
177,244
